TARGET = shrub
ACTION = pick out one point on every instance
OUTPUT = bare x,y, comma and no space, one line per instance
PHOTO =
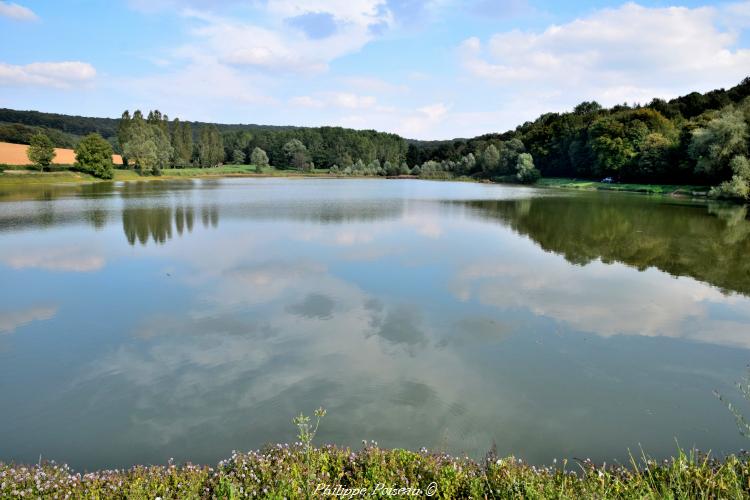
525,170
738,187
94,155
41,151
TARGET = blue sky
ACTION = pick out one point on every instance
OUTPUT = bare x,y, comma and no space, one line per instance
428,69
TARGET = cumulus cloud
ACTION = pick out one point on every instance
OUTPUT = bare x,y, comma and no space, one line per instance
423,120
626,53
48,74
303,37
18,12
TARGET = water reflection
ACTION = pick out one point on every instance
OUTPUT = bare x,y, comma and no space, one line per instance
10,320
708,244
158,223
420,314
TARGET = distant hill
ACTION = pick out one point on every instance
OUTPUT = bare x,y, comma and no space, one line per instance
65,130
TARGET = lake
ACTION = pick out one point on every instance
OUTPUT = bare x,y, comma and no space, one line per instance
185,319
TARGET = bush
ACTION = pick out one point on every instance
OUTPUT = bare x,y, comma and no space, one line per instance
94,155
41,151
525,170
738,188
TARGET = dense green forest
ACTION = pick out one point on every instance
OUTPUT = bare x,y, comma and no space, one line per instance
693,139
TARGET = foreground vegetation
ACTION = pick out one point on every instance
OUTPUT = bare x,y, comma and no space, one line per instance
284,471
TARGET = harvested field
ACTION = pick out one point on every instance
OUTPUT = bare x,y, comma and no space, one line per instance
15,154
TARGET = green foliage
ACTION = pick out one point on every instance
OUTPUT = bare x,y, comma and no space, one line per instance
259,158
738,187
490,159
280,471
237,140
509,153
306,435
654,157
17,133
182,142
586,108
210,147
41,151
525,170
713,146
296,155
147,145
688,140
238,157
94,155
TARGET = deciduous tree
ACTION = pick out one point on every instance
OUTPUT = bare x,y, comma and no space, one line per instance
94,155
41,151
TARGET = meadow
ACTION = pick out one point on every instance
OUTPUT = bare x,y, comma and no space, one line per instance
290,471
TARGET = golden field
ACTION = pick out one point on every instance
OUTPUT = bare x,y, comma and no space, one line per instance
15,154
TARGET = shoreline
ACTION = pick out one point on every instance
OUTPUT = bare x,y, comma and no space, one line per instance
22,178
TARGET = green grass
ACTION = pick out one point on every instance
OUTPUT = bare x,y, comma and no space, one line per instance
60,175
283,471
662,189
7,179
63,174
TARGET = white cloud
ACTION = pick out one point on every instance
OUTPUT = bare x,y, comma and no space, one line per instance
353,101
280,47
627,53
15,11
423,120
306,102
345,100
49,74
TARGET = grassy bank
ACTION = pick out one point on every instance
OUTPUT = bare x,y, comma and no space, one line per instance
237,170
283,471
22,175
662,189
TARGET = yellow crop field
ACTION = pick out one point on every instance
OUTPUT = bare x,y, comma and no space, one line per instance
15,154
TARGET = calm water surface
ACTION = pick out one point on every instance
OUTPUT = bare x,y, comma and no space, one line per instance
145,321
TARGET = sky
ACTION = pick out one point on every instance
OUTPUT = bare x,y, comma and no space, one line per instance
425,69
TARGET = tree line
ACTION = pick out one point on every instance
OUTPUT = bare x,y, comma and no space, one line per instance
694,139
93,154
700,139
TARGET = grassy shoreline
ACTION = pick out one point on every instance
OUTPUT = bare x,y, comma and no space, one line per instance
23,176
284,471
589,185
65,176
